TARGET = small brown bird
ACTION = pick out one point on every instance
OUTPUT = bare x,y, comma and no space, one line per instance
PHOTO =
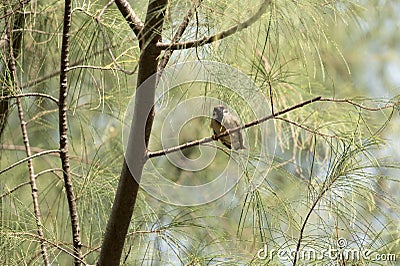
222,120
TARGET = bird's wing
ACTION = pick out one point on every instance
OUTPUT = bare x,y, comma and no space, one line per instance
216,126
237,139
227,144
218,129
240,138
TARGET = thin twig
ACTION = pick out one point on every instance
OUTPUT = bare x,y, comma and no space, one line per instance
178,35
37,149
105,8
303,226
11,44
32,182
328,183
28,158
13,147
13,11
218,36
267,67
229,131
108,46
41,114
119,68
306,128
63,131
52,244
5,194
57,72
37,31
388,106
29,94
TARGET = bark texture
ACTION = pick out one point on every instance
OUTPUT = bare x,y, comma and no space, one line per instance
142,121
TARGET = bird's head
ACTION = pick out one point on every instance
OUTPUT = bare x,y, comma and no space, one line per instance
219,112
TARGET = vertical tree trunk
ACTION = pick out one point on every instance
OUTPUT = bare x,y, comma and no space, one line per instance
142,121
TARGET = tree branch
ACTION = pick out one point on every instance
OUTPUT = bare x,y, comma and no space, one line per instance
218,36
133,20
37,149
15,9
272,116
307,129
373,109
108,46
57,72
51,244
29,94
118,68
63,130
178,35
331,177
10,191
10,43
227,132
28,158
32,177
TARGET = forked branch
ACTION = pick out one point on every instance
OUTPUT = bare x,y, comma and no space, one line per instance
218,36
178,35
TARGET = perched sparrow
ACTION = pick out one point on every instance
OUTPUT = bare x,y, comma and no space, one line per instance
222,120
